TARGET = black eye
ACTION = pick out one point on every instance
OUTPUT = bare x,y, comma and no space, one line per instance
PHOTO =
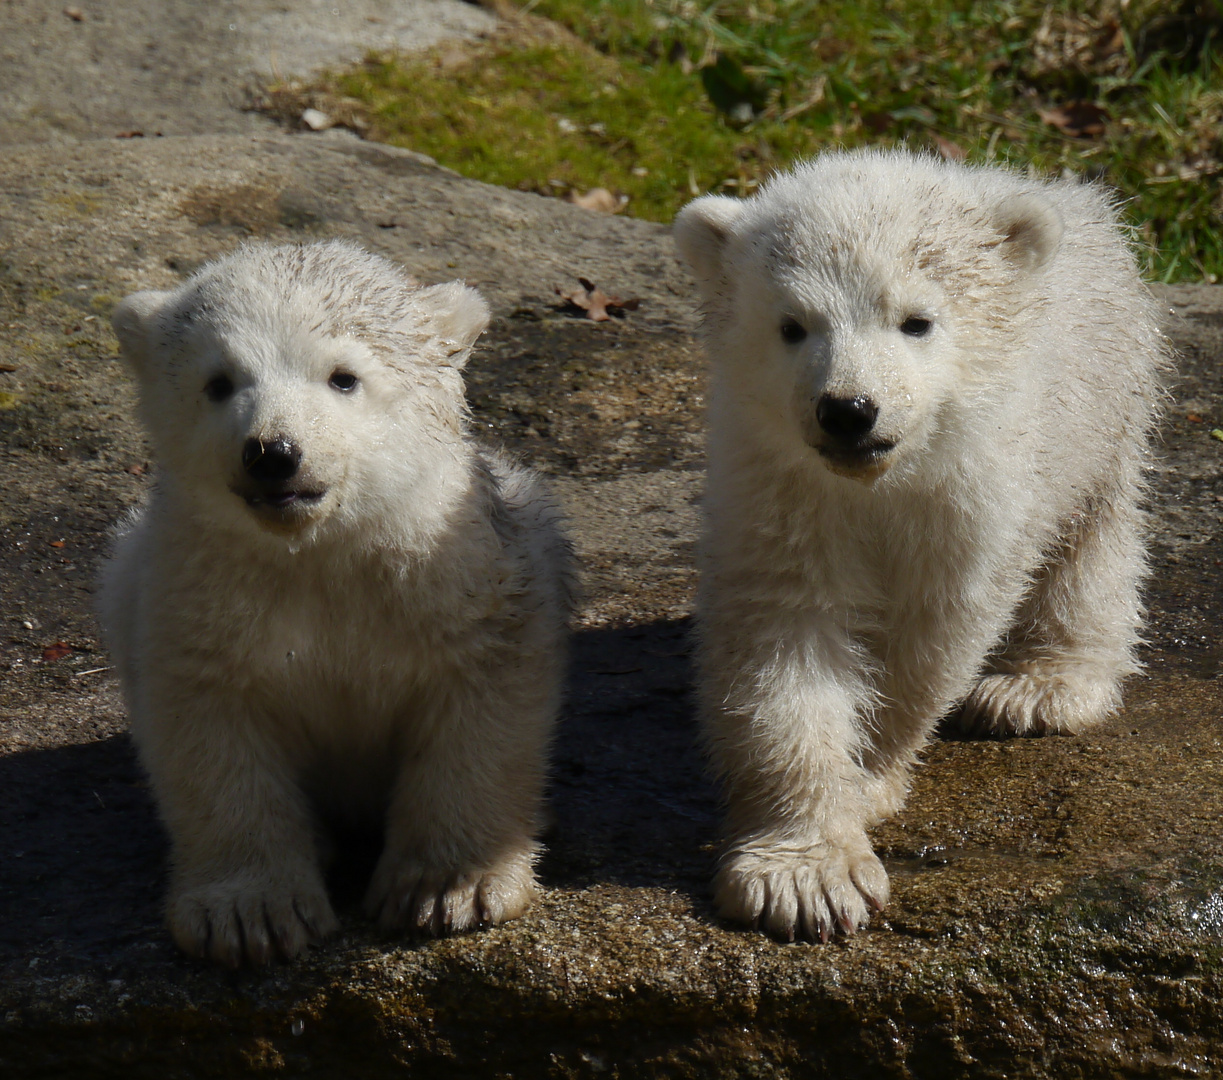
915,326
219,388
792,332
343,381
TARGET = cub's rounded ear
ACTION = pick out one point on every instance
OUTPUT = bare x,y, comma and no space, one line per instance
458,315
1031,229
133,323
701,232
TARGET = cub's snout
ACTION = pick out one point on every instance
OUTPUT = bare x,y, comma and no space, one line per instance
847,436
273,482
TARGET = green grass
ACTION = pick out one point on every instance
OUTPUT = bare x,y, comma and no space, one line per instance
661,100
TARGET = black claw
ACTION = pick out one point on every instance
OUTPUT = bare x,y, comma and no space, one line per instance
311,930
236,961
278,941
204,951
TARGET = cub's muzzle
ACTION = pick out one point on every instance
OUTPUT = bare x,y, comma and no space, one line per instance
271,483
847,439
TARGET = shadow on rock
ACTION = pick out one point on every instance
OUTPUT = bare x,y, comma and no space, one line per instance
631,806
632,802
83,853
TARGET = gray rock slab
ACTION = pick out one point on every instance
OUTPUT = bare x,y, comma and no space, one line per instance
1058,903
97,68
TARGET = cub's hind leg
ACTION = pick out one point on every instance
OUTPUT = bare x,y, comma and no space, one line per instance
1073,640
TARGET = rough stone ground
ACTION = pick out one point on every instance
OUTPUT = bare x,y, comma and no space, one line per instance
182,67
1058,903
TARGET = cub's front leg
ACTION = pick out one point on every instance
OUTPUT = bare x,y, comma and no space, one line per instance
462,825
245,881
786,721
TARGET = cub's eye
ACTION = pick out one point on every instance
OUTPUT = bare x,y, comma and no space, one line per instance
218,388
915,326
343,381
792,332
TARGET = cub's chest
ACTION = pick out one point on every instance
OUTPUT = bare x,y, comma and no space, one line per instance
358,631
303,638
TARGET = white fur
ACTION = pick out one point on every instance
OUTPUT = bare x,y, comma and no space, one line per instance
985,556
389,652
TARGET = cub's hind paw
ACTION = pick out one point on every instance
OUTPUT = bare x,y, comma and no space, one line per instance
809,893
1037,703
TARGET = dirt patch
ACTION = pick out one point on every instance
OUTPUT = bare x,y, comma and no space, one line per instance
589,400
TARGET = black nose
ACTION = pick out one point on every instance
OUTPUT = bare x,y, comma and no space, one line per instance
847,419
270,460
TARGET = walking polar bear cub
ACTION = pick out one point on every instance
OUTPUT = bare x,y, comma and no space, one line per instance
930,396
336,605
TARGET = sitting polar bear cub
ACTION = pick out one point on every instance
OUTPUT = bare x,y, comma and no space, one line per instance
335,605
930,395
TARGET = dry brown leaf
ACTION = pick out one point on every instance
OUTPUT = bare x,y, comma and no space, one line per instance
599,307
949,150
56,652
1078,119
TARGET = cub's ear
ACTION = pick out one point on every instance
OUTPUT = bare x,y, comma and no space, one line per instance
457,316
701,231
1031,230
133,322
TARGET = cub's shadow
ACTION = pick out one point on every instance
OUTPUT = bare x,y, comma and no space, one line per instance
630,798
83,856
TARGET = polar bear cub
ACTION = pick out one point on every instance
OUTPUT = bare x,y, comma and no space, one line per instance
930,396
335,607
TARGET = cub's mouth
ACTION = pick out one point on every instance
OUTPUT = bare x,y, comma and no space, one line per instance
282,507
282,500
862,461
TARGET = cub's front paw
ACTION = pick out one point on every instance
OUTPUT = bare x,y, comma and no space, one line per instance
249,919
407,894
1036,702
802,892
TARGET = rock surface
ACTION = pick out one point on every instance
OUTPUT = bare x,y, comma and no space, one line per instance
103,68
1057,903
